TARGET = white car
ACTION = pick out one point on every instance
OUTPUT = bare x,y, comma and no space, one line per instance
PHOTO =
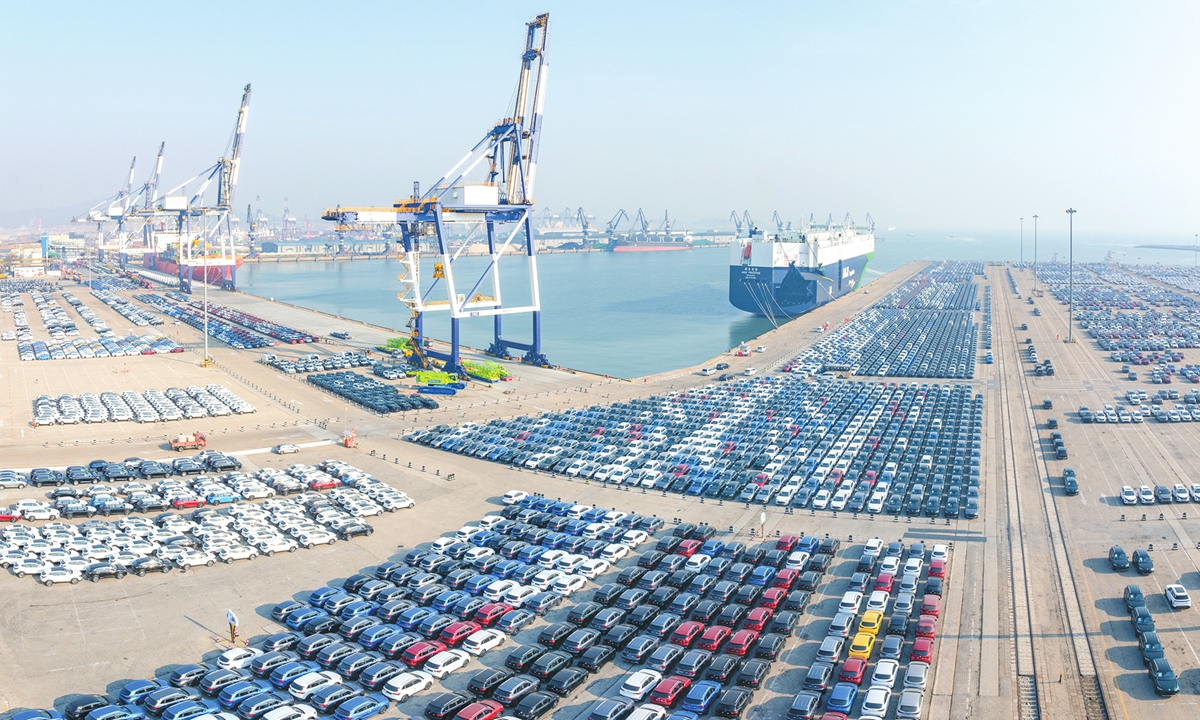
484,640
319,536
490,521
639,684
446,662
796,560
439,545
878,600
568,584
1177,597
634,538
40,513
230,553
29,566
917,675
546,578
551,557
467,532
476,553
698,562
890,565
286,449
191,557
10,482
876,701
874,547
391,502
270,546
939,552
1128,495
499,589
851,601
287,712
570,563
305,685
53,575
519,594
512,497
404,686
886,672
593,568
614,552
648,712
237,658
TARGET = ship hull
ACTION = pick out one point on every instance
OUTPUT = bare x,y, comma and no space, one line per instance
216,275
651,247
786,292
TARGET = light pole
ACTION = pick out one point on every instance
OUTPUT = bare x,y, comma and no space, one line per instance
1071,278
1022,242
1035,254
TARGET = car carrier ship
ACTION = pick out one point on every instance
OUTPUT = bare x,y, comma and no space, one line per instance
792,272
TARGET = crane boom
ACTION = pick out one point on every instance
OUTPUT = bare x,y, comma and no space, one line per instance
231,164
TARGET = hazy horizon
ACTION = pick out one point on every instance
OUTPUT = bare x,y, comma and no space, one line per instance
933,117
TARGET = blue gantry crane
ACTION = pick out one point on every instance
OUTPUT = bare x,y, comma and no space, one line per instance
489,189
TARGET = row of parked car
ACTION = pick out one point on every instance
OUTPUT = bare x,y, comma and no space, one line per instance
827,444
126,309
269,328
339,647
61,553
925,328
369,393
226,332
110,346
344,360
145,407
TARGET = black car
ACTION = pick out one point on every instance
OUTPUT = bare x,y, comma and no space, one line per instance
693,663
604,620
640,648
514,620
665,657
723,668
898,625
513,690
797,601
818,676
733,702
520,659
553,635
565,681
732,615
549,664
580,641
630,599
753,673
443,706
186,675
770,646
80,706
630,576
1150,647
376,676
619,636
642,615
483,683
706,610
355,529
650,559
97,571
784,622
608,594
596,657
1162,676
1142,562
535,705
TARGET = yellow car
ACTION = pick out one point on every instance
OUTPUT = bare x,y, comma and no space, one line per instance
862,645
871,621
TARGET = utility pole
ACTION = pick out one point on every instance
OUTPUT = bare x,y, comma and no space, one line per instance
1022,242
1071,278
1035,217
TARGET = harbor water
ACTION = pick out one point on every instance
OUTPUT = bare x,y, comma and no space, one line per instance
623,314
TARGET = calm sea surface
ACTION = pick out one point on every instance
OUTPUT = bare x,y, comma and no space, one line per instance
627,314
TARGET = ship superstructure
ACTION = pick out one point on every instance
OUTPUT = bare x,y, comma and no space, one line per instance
791,272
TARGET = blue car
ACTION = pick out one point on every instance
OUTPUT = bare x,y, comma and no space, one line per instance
412,617
762,576
531,554
359,608
360,708
190,709
482,539
297,618
38,715
218,498
712,548
317,597
683,715
283,675
372,636
842,698
136,691
502,571
231,696
117,712
701,696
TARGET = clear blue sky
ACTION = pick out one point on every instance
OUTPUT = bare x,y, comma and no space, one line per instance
959,116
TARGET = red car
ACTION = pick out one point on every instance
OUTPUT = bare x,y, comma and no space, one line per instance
741,642
490,614
785,578
7,515
454,633
417,653
927,627
326,484
772,597
853,671
480,710
758,618
688,548
687,633
714,637
786,543
884,582
669,690
931,605
937,569
192,502
922,651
